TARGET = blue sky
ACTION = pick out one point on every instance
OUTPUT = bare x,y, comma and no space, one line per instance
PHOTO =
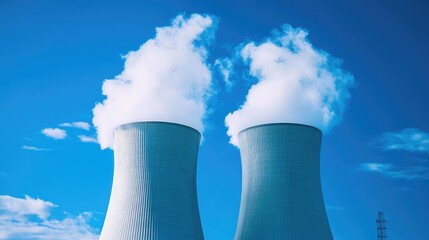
55,56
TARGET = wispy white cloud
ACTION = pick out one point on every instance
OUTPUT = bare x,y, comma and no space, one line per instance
28,218
81,125
391,171
87,139
25,206
296,83
166,79
225,68
409,139
55,133
33,148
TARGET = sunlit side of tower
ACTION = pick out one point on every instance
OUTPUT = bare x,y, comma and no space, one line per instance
154,184
281,190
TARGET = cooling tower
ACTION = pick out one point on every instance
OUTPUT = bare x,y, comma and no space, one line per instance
281,194
154,183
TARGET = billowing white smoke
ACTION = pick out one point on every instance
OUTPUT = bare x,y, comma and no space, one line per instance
166,79
297,83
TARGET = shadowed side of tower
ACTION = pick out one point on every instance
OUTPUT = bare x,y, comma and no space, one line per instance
281,191
154,184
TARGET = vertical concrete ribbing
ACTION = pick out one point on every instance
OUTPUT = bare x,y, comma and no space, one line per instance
154,184
281,190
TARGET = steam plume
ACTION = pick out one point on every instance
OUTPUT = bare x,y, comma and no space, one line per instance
296,83
166,79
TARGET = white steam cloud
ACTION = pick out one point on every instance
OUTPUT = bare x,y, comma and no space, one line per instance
166,79
297,83
225,68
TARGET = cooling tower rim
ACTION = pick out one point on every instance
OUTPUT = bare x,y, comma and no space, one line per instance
157,122
281,123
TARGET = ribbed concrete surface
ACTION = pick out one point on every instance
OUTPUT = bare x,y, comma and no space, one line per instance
281,192
154,184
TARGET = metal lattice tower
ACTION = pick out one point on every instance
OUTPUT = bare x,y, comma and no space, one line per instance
381,226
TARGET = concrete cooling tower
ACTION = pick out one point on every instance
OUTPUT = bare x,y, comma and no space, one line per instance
154,184
281,194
